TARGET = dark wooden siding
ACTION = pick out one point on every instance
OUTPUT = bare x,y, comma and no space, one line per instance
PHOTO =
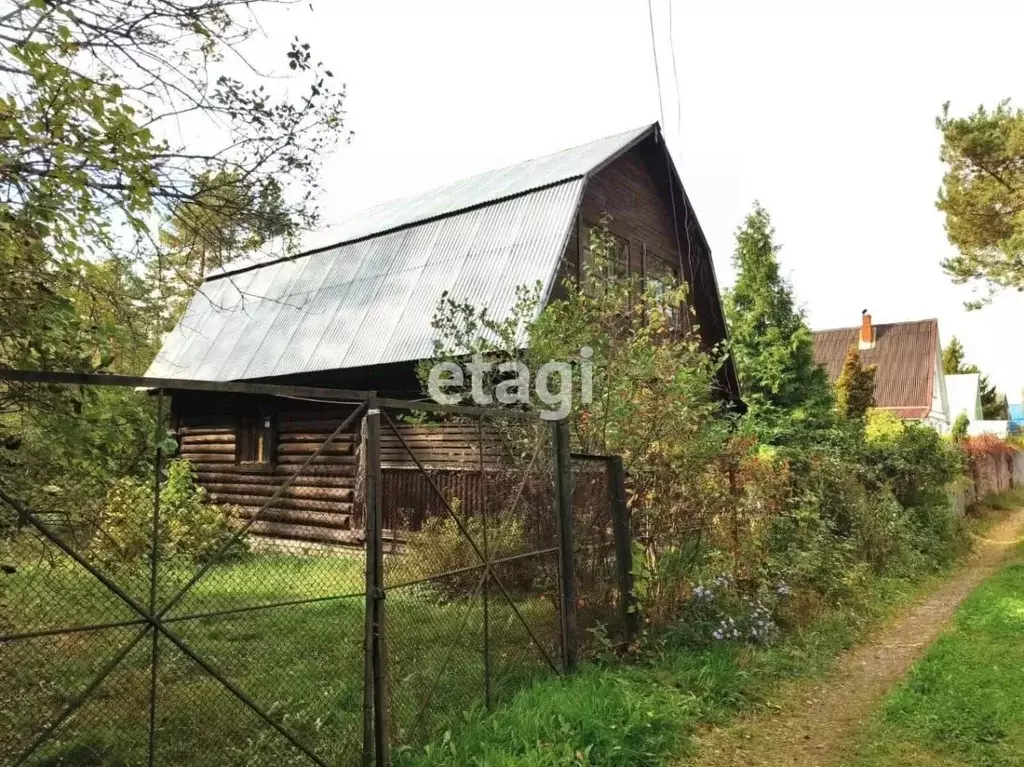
631,195
450,456
637,192
444,446
627,191
318,506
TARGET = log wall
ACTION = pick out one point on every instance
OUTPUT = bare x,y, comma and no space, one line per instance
323,505
318,507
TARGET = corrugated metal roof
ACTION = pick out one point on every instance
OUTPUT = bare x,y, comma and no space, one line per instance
370,301
370,298
905,353
471,192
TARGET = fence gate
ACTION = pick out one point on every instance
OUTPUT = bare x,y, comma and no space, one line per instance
205,592
607,618
141,624
473,595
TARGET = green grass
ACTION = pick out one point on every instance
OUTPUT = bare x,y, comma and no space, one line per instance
302,663
646,714
963,703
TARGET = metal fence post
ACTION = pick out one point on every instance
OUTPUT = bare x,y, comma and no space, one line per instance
623,546
154,563
566,548
368,535
487,559
376,654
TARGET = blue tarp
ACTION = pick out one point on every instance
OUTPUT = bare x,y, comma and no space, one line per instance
1017,418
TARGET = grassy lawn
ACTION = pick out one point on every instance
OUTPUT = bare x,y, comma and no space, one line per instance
963,703
619,715
303,663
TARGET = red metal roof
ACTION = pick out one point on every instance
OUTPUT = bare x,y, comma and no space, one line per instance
905,353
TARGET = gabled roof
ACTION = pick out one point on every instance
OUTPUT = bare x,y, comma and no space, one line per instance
369,299
964,394
905,354
481,189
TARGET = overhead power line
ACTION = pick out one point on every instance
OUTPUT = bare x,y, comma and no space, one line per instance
654,54
675,75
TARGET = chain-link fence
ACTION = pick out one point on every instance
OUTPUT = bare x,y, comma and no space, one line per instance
607,617
473,590
243,574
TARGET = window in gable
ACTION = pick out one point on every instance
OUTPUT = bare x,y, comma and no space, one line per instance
619,256
661,277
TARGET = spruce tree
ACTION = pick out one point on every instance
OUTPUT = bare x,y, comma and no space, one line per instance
770,342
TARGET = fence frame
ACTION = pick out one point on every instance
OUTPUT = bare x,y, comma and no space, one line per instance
376,749
618,506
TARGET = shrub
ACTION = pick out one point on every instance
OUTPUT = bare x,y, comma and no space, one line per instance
442,547
914,461
881,531
882,424
723,609
959,431
190,528
987,446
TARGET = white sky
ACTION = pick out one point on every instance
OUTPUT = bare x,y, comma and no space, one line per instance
828,119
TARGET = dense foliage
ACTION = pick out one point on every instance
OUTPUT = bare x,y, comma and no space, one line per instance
139,149
745,525
651,404
102,103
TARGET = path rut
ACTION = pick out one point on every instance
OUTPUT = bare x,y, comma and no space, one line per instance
816,721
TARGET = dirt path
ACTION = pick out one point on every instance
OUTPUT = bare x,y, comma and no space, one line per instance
814,722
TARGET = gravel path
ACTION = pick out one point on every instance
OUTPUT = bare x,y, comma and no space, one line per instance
815,721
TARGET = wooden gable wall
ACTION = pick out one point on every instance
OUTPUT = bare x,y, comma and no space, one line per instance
636,192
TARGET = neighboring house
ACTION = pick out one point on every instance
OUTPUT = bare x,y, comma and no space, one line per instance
909,380
964,394
357,314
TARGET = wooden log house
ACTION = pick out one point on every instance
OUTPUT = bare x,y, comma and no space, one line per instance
357,315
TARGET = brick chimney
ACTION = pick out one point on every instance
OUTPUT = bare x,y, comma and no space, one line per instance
867,332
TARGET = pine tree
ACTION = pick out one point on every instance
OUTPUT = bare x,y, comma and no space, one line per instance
994,406
953,358
855,387
770,342
982,196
